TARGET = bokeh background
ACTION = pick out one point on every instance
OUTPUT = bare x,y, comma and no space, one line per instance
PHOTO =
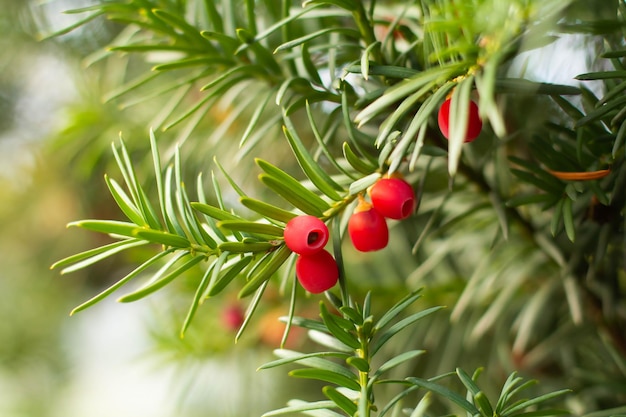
126,360
112,360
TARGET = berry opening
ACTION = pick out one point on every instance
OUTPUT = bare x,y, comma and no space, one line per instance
306,235
312,237
394,198
407,208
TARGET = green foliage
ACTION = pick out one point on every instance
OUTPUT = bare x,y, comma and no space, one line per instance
357,337
351,90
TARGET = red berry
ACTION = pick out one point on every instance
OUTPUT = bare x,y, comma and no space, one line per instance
474,124
317,272
306,235
394,198
233,317
367,228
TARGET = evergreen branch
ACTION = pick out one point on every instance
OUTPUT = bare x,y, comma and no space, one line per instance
355,331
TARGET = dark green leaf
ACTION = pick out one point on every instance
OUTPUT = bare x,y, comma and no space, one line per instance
176,21
264,57
203,61
553,186
532,402
359,164
363,183
246,247
214,16
400,111
523,86
83,259
199,293
111,227
282,23
73,26
171,218
395,401
341,400
226,276
509,385
228,43
388,71
571,110
350,5
326,339
483,403
612,93
292,188
310,67
327,376
304,202
602,111
251,309
614,54
359,363
353,315
255,118
309,324
396,361
514,390
215,212
523,199
124,202
278,257
469,383
393,330
556,217
397,309
137,193
157,285
568,219
337,328
134,273
312,360
251,227
309,37
163,238
446,393
267,210
309,166
403,89
601,75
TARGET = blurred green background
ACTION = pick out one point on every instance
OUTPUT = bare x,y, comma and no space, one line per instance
126,359
112,360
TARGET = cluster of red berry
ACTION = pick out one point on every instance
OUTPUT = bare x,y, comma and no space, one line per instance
307,235
316,269
390,198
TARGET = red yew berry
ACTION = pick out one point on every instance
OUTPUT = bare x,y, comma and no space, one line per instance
474,124
367,228
233,317
306,235
317,272
394,198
